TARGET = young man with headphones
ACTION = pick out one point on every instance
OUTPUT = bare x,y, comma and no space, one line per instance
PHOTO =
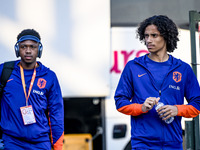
32,113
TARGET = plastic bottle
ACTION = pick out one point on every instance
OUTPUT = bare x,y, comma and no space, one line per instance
160,104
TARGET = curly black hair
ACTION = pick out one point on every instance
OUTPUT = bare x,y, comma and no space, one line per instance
28,32
165,26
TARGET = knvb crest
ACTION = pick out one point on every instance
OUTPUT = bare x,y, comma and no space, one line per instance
177,76
41,83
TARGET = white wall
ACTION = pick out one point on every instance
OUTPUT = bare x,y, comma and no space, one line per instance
75,35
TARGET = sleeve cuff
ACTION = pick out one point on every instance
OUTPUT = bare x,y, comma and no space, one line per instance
132,109
187,111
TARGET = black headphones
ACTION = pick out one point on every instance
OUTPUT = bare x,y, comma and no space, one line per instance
29,37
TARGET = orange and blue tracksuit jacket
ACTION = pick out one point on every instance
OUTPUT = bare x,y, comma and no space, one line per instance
137,83
46,101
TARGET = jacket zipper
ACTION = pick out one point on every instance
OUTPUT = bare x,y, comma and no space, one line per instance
159,93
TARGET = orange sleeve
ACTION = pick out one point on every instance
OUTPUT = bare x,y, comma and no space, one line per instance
132,109
187,111
59,144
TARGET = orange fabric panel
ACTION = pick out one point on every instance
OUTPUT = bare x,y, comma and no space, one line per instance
187,111
59,144
51,137
132,109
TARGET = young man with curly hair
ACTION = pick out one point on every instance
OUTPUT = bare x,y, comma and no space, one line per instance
157,77
32,114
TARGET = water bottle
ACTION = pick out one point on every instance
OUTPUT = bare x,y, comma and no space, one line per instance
160,104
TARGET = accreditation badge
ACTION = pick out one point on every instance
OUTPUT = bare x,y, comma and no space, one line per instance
28,115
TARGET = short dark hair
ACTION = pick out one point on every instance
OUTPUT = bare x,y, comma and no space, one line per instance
165,26
28,32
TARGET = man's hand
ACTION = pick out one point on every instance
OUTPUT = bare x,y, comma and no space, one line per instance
167,111
149,103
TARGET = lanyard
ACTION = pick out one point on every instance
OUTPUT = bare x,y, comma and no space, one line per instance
23,82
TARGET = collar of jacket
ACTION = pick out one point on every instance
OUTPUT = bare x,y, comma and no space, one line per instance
141,61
